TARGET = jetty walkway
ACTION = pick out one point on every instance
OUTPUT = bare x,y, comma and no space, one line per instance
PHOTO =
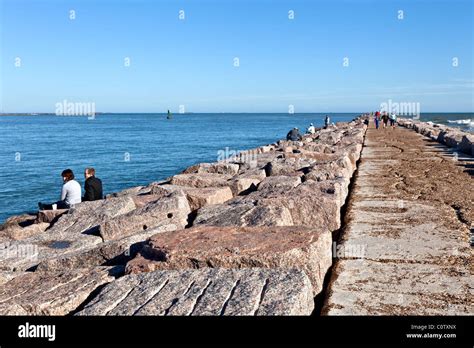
406,231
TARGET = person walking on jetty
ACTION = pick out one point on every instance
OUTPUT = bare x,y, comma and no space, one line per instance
385,119
311,129
92,186
376,119
327,120
393,119
294,135
70,193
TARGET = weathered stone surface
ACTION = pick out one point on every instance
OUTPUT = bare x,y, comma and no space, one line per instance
364,287
213,292
404,250
50,215
87,216
6,276
224,167
143,200
243,185
114,252
244,213
36,293
279,182
171,211
199,197
453,139
132,191
201,180
379,225
219,168
18,220
467,144
16,232
311,203
239,247
288,166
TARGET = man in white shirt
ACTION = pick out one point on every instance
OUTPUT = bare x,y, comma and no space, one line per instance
311,129
70,193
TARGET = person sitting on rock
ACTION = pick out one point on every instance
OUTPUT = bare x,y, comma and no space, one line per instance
70,193
92,186
294,135
311,129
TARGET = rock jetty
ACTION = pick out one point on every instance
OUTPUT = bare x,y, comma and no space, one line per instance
250,235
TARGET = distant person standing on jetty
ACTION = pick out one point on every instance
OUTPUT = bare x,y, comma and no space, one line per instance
294,135
376,119
92,186
327,120
385,119
311,129
393,119
70,193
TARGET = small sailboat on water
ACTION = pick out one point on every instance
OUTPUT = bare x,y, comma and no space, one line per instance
169,117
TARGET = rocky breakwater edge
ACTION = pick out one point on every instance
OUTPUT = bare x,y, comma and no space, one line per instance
454,138
249,235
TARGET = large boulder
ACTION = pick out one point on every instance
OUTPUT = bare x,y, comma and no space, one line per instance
467,144
77,230
201,180
279,182
213,292
57,293
50,216
171,211
244,213
315,204
215,168
239,247
110,253
453,139
87,216
17,232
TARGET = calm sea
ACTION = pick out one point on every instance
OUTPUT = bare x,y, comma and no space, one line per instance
130,149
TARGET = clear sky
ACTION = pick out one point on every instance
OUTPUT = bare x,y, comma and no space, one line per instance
282,61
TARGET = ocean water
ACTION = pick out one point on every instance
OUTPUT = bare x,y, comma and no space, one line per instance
132,149
125,149
465,121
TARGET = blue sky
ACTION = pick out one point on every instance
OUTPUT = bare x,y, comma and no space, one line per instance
283,62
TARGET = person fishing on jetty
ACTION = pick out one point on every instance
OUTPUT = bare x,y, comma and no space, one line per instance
385,119
327,121
92,186
311,129
294,135
393,119
70,193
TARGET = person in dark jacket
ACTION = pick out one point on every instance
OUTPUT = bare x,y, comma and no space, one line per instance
294,135
92,186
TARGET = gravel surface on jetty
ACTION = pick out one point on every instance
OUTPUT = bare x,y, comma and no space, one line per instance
412,211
